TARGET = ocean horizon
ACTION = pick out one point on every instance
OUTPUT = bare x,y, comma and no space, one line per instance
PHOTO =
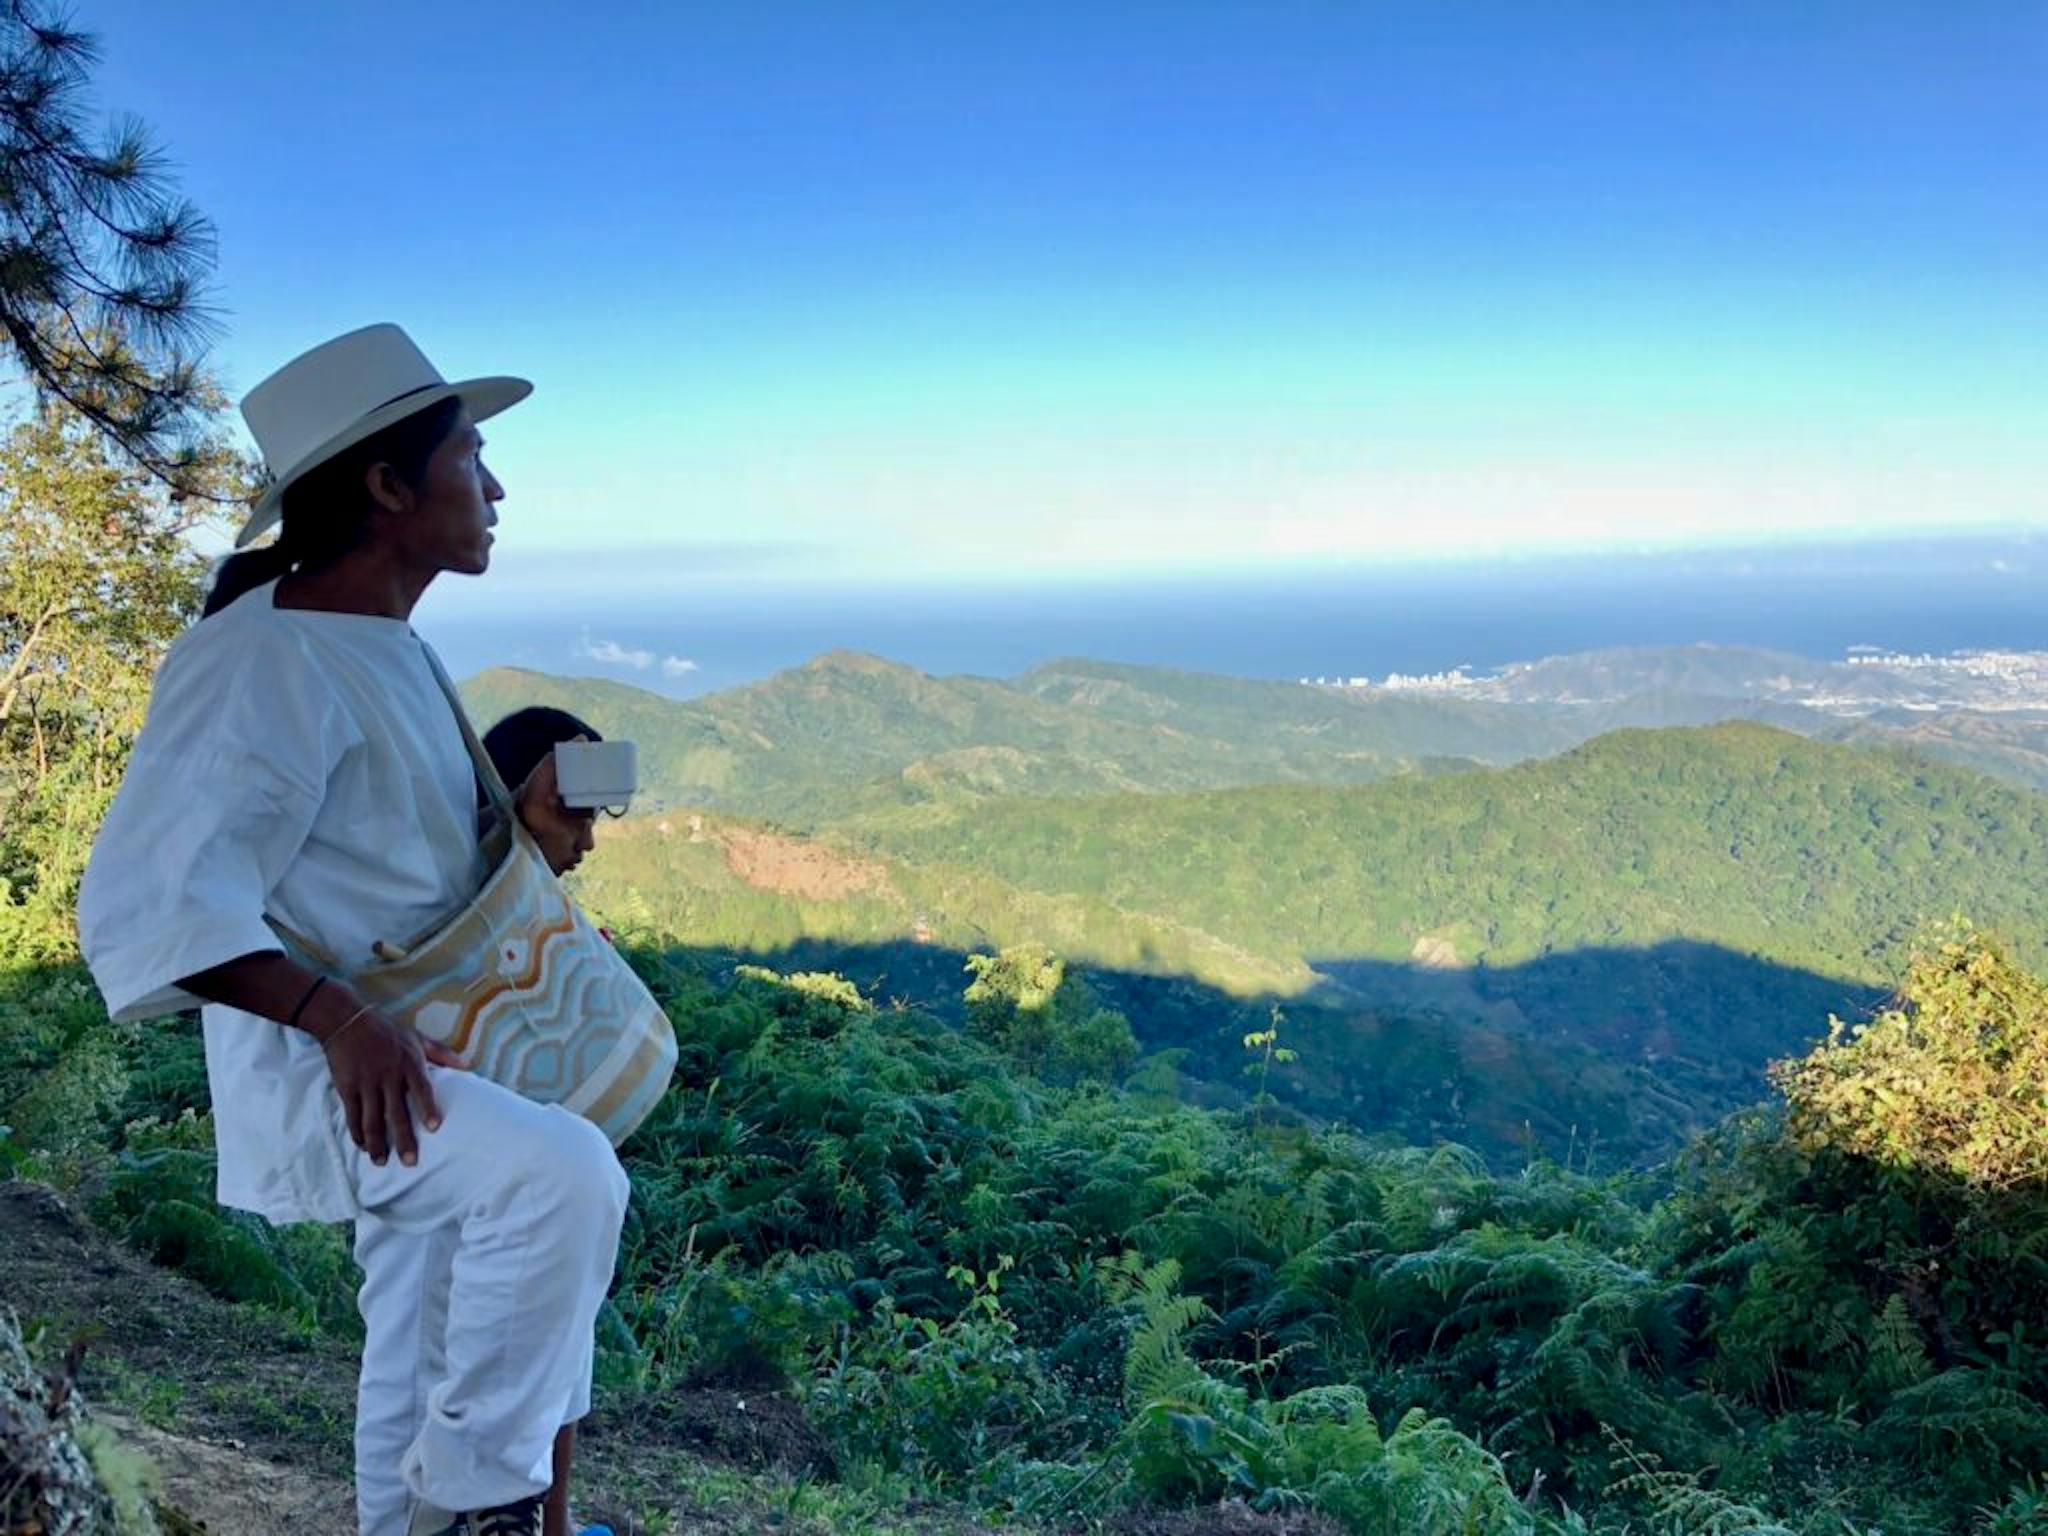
706,632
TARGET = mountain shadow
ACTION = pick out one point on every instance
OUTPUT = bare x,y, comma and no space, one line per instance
1606,1057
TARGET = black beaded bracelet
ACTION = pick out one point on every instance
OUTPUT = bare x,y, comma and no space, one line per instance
318,983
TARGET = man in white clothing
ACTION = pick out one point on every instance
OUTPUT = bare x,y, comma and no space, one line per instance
301,764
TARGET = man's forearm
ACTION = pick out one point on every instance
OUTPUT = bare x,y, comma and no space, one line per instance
274,986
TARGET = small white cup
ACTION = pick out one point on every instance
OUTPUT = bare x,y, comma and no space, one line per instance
592,775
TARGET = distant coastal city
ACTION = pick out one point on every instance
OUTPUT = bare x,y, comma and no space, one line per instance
1867,680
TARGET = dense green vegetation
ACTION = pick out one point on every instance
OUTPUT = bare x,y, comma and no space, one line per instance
1659,1042
96,578
1053,1296
1604,947
849,730
850,733
1807,854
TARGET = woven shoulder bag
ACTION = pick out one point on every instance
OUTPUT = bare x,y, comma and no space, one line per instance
519,983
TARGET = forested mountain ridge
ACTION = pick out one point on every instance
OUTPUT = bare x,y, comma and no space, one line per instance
1804,852
2010,745
850,733
1619,939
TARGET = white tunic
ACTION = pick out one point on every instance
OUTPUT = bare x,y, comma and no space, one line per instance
302,764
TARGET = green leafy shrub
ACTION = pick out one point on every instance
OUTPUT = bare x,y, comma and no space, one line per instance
1193,1436
1945,1083
160,1196
64,1069
716,1321
953,1401
1027,1003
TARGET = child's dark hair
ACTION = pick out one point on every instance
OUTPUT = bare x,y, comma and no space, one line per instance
518,742
326,508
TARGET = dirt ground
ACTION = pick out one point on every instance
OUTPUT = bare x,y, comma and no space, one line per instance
220,1488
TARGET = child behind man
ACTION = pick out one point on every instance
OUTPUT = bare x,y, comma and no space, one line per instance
517,745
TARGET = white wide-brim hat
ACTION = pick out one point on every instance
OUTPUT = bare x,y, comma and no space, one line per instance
344,390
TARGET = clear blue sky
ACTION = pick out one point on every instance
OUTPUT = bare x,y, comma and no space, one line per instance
1098,285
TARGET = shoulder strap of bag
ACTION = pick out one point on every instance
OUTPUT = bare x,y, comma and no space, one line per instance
486,772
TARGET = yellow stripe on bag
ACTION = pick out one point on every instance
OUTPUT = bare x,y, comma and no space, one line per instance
654,1049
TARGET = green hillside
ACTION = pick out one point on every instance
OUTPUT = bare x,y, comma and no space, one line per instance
719,883
848,733
1613,943
1805,853
2009,745
1422,1056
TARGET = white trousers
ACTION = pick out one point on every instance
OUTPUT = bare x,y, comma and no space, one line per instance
484,1265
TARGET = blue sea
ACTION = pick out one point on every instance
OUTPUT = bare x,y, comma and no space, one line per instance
692,629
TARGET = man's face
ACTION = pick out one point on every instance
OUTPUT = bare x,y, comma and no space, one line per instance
454,507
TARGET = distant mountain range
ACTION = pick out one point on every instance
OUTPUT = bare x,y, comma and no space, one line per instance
850,732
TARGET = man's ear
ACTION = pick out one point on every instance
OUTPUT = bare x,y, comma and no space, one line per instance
388,493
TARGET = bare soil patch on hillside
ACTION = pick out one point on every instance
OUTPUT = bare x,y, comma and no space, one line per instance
793,866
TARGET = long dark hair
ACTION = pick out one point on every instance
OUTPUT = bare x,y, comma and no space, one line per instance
327,508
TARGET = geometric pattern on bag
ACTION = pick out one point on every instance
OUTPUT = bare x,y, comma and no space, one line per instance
521,985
